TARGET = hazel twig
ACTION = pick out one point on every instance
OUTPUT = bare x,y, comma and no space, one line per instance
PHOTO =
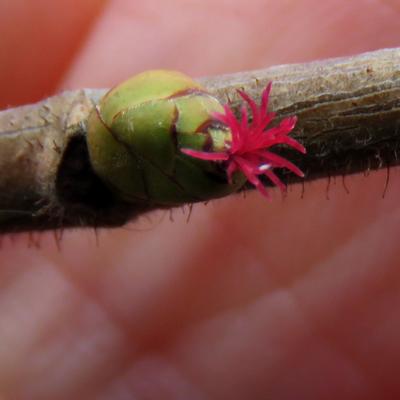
348,112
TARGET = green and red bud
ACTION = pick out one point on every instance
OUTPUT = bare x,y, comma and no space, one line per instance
162,140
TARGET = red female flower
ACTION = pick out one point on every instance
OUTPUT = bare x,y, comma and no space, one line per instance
248,149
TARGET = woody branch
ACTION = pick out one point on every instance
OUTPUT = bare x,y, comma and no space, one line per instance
348,113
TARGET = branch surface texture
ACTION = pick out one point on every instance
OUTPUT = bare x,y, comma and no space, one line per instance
348,113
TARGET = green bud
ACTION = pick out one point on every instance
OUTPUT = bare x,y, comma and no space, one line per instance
137,130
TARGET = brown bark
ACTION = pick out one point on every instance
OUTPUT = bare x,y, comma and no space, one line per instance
348,118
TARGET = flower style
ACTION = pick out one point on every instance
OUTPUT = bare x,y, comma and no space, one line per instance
248,149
